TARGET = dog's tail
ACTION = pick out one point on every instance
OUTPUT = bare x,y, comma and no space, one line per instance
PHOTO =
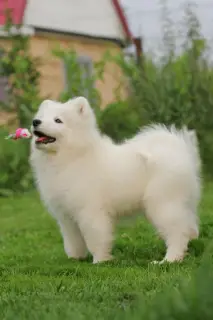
190,138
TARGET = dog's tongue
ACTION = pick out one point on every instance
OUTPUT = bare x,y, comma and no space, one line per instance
40,139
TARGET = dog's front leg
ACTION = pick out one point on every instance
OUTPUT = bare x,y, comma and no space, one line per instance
74,244
97,230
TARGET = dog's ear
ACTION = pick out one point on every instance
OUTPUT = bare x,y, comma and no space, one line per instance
81,104
45,103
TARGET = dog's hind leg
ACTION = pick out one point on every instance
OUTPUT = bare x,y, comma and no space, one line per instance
74,244
177,226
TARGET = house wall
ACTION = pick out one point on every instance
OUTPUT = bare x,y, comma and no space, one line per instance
52,70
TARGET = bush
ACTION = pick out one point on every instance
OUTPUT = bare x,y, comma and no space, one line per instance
15,174
21,70
119,120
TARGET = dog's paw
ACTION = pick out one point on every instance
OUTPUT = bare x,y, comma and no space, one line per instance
167,261
76,255
102,259
158,262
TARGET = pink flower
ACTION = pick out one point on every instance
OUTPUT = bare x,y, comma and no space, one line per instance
22,133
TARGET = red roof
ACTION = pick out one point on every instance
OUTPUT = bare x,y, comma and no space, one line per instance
17,10
124,22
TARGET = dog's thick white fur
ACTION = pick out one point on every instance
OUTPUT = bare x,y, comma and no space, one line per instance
87,181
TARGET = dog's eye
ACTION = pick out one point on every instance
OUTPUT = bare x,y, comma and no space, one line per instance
57,120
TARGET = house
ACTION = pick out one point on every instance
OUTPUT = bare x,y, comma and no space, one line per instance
90,26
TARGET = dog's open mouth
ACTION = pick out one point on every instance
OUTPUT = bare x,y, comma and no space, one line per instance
43,138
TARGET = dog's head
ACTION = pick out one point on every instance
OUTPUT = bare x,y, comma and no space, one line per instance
57,124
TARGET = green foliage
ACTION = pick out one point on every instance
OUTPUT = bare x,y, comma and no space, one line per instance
15,175
21,70
119,120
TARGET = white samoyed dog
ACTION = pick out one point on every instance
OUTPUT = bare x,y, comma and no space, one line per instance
87,181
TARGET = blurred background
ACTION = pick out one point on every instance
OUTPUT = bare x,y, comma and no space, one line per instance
145,19
137,61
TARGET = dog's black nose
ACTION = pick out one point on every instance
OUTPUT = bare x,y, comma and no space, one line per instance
36,122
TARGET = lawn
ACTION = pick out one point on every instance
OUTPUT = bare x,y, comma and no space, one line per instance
39,282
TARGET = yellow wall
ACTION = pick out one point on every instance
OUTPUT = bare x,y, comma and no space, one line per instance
52,73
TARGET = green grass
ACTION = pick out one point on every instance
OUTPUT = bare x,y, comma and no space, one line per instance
39,282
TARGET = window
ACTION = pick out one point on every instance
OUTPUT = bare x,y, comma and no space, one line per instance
78,75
